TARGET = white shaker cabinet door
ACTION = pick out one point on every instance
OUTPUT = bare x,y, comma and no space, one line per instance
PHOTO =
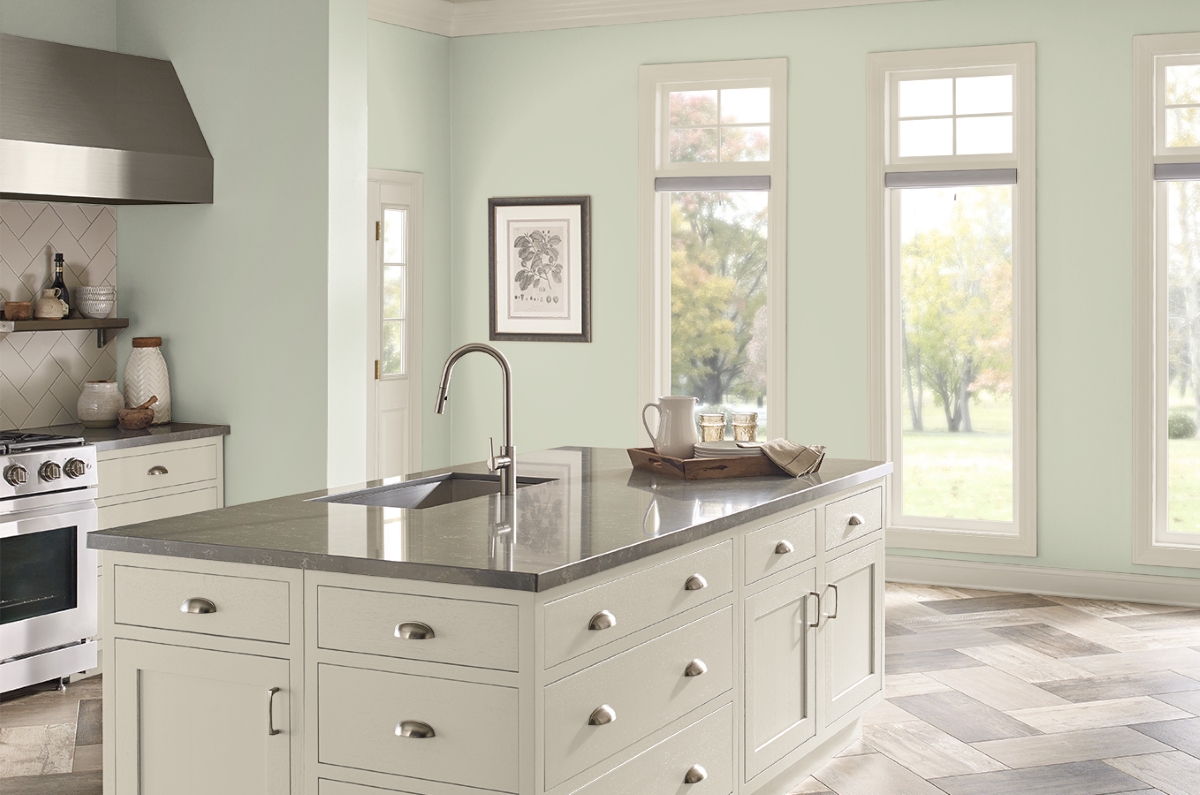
196,722
851,633
780,702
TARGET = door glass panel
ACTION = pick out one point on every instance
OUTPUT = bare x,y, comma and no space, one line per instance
719,320
956,450
38,574
991,94
392,362
984,135
394,278
1183,356
395,236
925,97
926,138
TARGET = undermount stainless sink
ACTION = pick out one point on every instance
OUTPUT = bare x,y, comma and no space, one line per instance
429,492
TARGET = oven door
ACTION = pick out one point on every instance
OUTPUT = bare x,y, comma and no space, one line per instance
47,578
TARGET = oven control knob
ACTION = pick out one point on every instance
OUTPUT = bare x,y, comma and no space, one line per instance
50,471
16,475
74,468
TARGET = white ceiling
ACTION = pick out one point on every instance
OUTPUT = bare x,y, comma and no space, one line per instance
478,17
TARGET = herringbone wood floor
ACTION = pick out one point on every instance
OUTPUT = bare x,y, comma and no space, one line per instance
987,694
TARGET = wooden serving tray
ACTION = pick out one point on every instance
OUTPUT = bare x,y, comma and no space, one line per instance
646,459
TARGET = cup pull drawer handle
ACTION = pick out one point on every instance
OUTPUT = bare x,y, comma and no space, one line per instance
855,520
695,583
695,775
414,729
602,620
784,547
271,730
157,470
413,630
198,605
601,715
695,668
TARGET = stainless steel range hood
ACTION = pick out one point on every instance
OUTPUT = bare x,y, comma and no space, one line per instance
85,125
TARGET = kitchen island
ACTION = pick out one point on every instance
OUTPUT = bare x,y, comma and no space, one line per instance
604,630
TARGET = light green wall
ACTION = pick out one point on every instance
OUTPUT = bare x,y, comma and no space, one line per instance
409,100
556,112
240,289
84,23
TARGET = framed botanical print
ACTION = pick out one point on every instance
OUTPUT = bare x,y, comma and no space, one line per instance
540,252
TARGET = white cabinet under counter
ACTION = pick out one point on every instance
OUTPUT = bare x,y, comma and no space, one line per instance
560,649
158,481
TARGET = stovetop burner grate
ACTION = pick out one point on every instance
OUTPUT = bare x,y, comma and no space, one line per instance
19,441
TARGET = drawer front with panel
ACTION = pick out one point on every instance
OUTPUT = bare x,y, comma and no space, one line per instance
456,631
146,508
853,517
596,712
434,729
780,546
587,620
209,604
697,760
157,469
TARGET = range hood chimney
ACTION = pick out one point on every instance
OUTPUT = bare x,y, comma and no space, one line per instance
91,126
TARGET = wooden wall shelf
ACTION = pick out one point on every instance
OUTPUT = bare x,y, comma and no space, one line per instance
106,328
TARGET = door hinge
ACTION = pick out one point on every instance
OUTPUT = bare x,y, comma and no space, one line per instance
376,369
377,230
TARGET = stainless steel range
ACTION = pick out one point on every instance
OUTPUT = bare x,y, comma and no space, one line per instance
47,573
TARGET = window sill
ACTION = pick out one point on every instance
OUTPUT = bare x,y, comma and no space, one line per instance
1024,545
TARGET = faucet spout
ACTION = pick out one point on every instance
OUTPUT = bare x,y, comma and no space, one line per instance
505,463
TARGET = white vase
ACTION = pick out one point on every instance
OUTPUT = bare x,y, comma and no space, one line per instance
146,377
99,404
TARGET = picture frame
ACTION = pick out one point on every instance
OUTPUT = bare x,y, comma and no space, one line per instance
540,268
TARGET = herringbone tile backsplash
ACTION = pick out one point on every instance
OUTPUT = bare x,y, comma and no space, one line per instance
42,373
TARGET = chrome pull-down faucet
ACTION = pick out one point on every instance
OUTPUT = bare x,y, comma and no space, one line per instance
506,462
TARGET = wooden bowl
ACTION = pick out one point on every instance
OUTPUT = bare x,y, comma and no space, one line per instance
135,419
18,310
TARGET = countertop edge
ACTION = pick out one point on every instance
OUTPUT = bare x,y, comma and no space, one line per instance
114,541
104,439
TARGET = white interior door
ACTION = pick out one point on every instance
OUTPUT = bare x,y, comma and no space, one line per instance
394,324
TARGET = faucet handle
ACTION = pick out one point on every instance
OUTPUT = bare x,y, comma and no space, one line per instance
491,462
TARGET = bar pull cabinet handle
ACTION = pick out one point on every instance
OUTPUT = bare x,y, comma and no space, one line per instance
695,583
695,775
695,668
413,630
601,715
855,520
271,730
157,470
836,601
784,547
414,729
602,620
817,623
198,605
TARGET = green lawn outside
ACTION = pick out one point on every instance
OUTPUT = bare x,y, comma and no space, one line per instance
1183,485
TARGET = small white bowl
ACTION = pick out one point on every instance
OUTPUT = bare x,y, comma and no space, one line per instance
95,308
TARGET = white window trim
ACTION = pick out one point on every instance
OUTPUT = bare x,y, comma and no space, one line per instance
956,535
654,318
1149,493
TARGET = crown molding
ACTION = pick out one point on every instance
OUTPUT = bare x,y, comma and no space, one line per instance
513,16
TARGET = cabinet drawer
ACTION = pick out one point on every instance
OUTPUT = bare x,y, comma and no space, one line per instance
853,517
156,469
245,607
150,508
635,601
660,770
781,545
474,740
646,687
479,634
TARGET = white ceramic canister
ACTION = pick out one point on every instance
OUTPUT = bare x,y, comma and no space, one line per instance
99,404
146,377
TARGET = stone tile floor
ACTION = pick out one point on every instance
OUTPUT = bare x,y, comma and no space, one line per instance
987,694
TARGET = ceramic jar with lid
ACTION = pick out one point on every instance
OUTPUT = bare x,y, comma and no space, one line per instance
146,377
99,404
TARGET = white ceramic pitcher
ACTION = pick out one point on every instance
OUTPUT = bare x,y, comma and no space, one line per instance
676,435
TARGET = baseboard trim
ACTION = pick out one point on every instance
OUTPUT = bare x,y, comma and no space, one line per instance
1113,586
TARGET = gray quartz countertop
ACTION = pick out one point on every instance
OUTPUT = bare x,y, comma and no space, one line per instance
596,514
116,439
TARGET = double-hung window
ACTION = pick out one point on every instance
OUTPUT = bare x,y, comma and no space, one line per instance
712,204
951,225
1167,295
